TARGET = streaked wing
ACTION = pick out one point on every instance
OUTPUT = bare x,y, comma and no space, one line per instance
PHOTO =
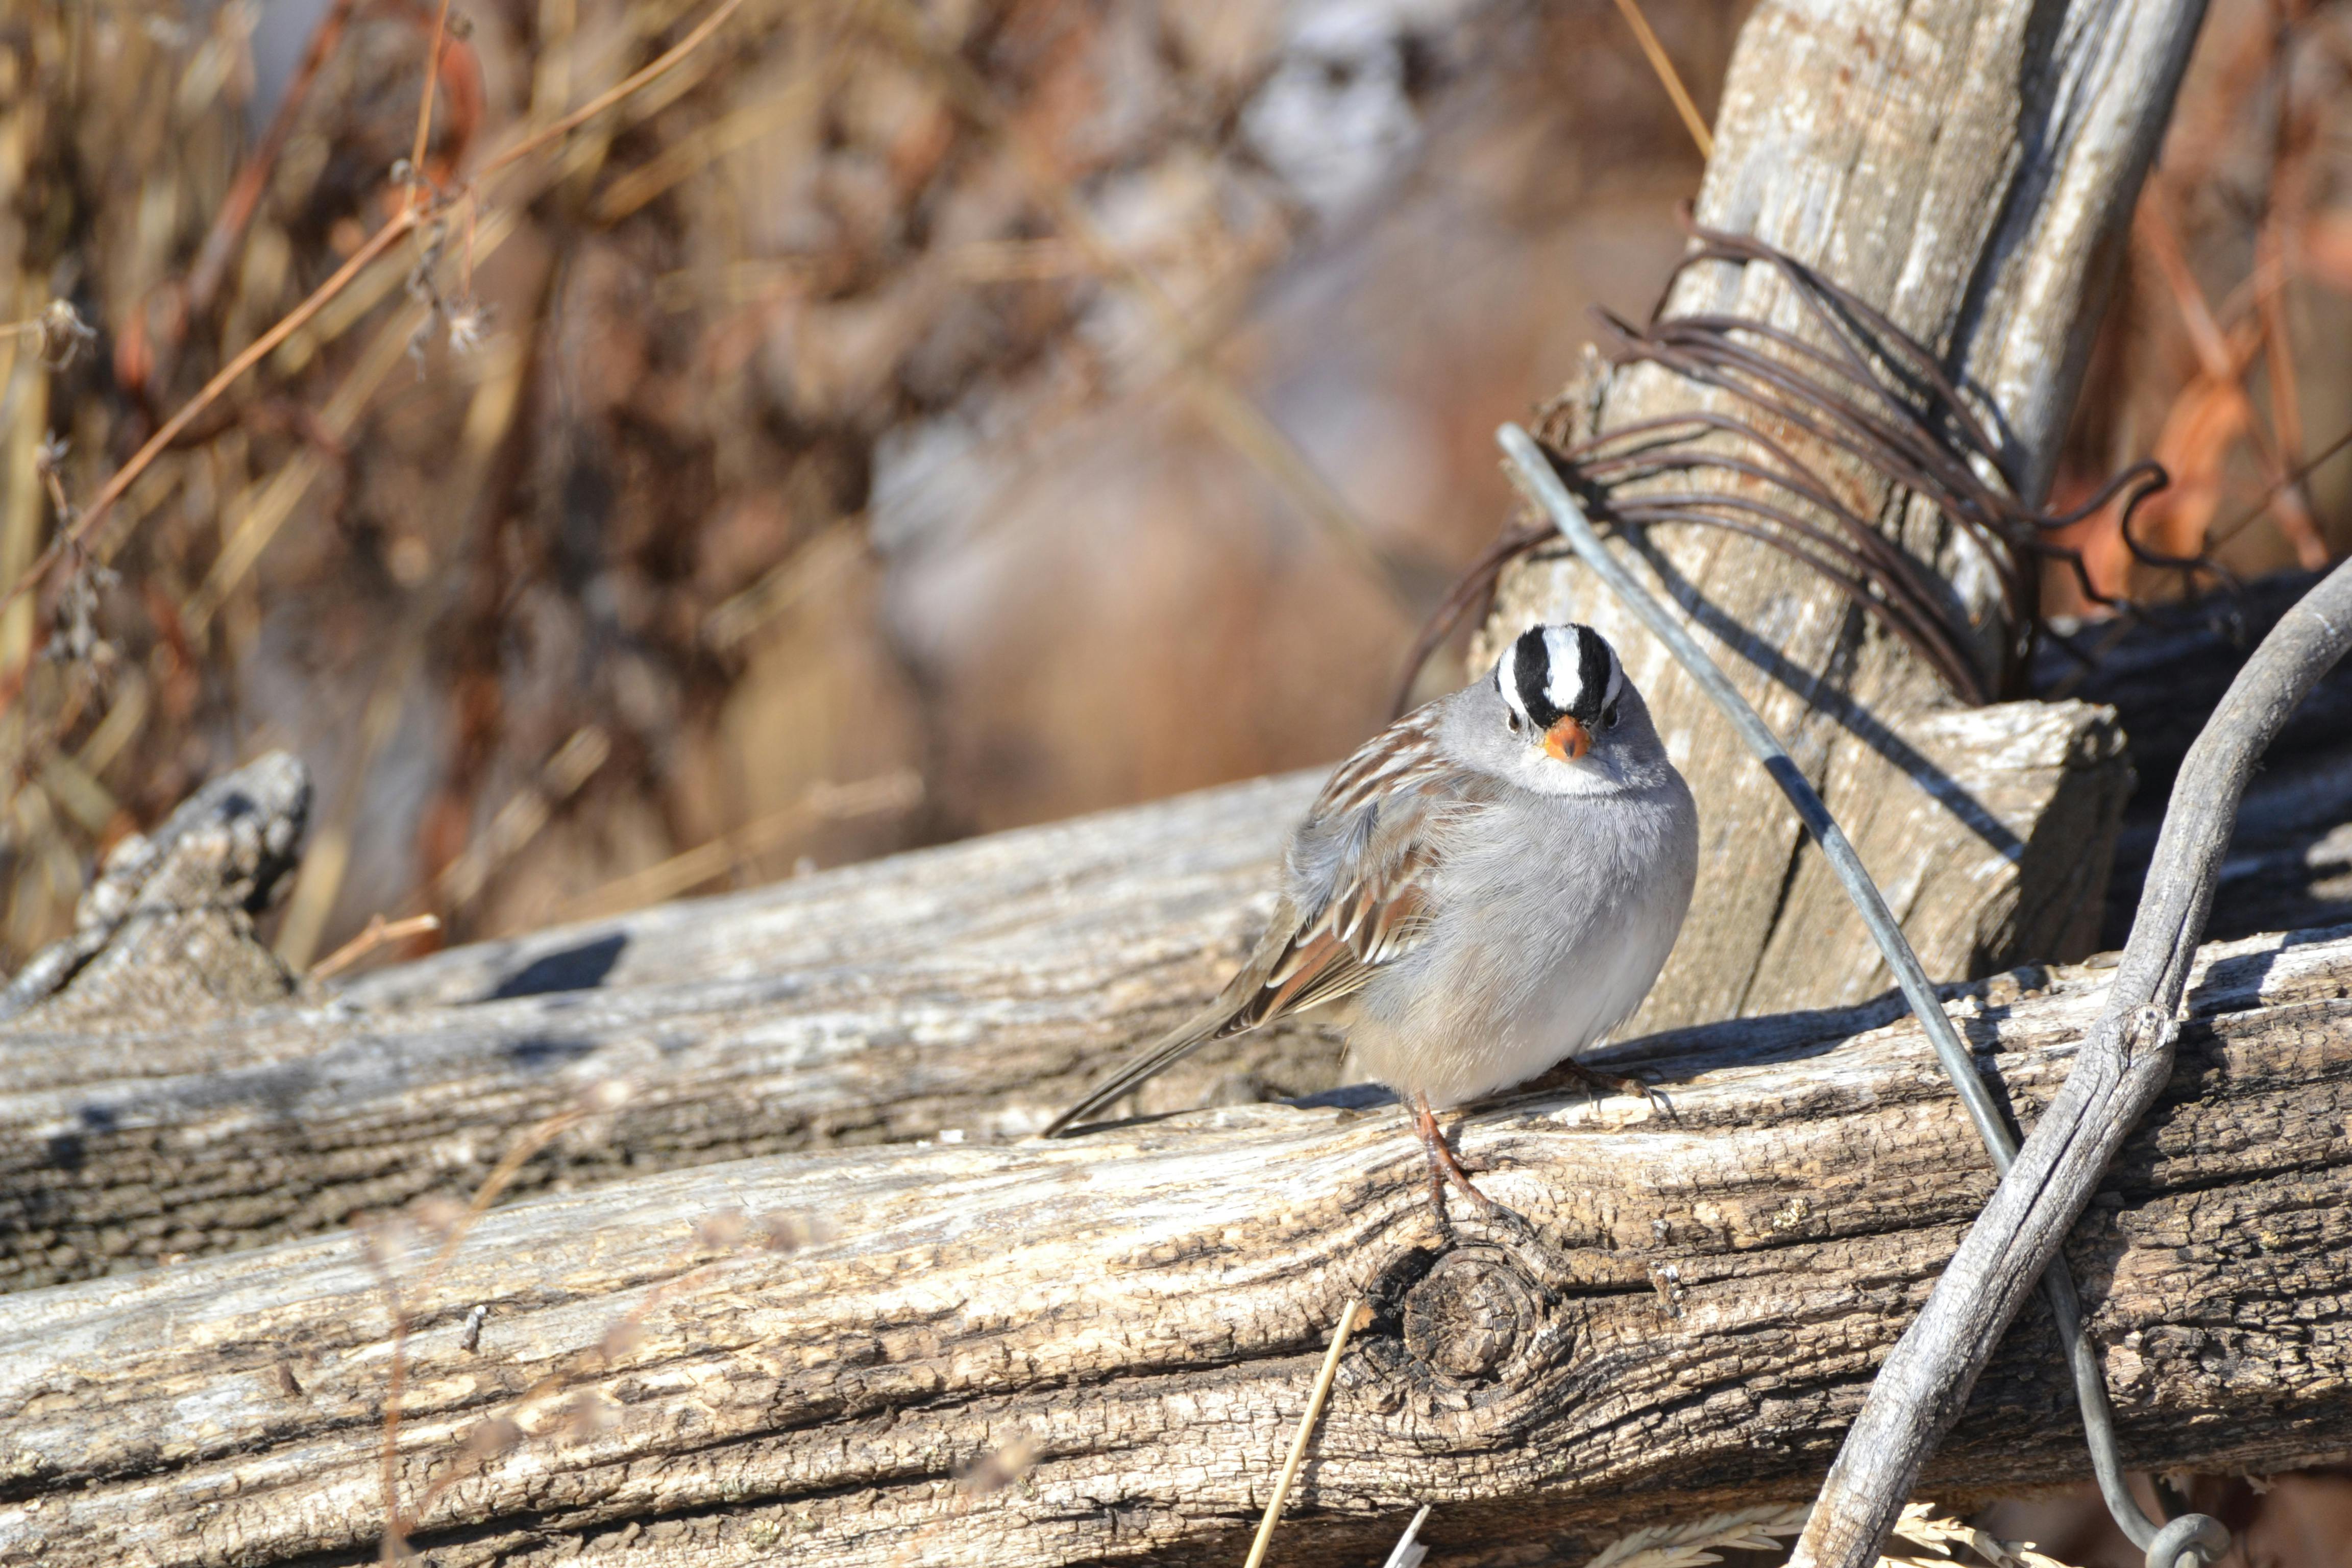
1361,869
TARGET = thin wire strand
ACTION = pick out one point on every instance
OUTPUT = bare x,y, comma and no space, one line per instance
2219,537
1532,470
1857,388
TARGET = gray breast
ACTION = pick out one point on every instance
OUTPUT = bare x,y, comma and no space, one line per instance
1553,920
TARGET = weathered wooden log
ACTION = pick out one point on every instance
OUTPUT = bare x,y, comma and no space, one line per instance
1963,166
165,934
975,988
978,987
1094,1350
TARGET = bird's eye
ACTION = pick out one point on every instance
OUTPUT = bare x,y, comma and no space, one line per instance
1609,717
1514,721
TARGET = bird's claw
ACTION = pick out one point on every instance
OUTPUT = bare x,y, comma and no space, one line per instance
1650,1094
1600,1084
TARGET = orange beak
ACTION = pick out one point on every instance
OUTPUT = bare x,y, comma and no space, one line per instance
1568,740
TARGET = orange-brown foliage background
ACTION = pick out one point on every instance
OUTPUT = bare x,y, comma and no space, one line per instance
899,421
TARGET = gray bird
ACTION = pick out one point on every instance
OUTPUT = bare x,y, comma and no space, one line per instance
1490,886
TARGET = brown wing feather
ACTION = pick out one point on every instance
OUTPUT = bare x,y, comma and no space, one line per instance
1377,899
1400,758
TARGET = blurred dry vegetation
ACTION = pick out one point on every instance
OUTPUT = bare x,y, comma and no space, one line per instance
906,420
899,421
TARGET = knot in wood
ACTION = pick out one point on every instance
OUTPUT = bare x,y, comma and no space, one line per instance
1469,1317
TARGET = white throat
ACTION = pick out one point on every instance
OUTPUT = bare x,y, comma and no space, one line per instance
1533,769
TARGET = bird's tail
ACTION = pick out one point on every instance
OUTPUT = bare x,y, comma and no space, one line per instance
1211,1024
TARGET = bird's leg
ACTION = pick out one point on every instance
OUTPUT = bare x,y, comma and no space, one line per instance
1443,1165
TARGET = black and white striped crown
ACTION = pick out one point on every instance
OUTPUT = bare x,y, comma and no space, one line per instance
1552,672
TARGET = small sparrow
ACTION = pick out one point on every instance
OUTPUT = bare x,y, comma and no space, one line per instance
1490,886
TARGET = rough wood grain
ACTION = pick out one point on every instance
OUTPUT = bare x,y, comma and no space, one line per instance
1130,1323
1964,165
979,987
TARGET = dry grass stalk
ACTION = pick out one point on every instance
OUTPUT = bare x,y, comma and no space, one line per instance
424,211
1668,78
1924,1537
601,1098
896,791
76,538
2215,411
1357,1315
522,818
379,932
412,216
2223,196
1694,1543
731,1234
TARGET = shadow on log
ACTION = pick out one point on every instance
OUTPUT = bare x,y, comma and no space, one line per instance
2291,854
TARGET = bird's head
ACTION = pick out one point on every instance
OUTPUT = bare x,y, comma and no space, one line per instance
1562,689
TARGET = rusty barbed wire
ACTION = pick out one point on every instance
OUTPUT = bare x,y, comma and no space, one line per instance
1867,390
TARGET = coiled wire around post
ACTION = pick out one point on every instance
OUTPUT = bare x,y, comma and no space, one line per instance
2186,1542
